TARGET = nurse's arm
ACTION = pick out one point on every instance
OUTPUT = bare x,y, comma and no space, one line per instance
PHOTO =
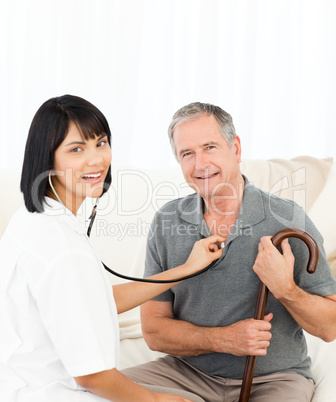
132,294
114,386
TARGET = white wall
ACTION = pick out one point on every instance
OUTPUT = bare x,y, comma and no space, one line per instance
269,63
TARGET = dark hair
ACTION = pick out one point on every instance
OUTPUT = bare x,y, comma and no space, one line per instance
48,129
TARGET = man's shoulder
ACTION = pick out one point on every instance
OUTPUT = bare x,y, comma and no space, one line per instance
273,199
286,211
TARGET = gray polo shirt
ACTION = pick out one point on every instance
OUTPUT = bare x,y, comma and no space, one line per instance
228,292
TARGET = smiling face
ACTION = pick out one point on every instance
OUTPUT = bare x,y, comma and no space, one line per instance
80,167
209,164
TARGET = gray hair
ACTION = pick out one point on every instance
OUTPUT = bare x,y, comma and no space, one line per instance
197,109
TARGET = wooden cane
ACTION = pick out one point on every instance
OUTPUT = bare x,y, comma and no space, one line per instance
262,298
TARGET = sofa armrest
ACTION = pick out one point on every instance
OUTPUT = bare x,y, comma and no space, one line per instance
323,368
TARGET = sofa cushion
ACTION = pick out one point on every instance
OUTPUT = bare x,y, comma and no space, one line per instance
300,179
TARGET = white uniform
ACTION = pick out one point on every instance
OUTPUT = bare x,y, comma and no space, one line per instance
57,312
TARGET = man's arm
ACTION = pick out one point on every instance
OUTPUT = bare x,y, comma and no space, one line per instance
315,314
164,333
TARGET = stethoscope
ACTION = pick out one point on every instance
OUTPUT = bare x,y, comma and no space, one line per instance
111,271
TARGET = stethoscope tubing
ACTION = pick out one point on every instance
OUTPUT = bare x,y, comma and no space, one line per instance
131,278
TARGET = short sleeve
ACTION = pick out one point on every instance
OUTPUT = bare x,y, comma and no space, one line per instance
76,305
153,261
322,282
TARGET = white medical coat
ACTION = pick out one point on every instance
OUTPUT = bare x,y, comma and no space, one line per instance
57,312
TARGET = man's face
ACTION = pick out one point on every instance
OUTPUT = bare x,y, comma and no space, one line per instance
208,164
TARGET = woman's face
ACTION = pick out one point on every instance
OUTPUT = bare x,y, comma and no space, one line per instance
80,167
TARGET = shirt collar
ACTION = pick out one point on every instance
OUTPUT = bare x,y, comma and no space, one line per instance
55,208
191,208
251,211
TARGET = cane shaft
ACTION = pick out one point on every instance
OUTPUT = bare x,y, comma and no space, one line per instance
262,299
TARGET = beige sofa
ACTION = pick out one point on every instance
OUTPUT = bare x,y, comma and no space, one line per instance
125,212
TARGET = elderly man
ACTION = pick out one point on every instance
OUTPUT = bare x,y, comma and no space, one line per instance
205,325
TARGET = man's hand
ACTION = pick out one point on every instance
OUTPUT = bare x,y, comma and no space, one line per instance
274,269
164,333
246,338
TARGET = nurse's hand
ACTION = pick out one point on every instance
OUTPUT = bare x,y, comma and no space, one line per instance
114,386
203,253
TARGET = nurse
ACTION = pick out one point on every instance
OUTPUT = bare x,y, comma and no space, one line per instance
59,338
